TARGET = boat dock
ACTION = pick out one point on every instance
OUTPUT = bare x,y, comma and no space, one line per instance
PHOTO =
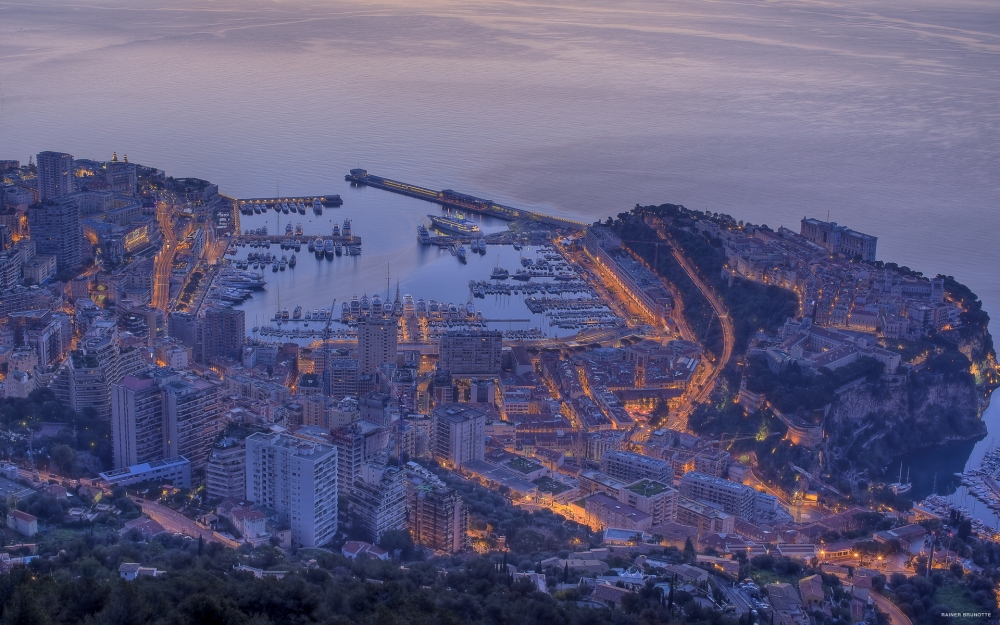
276,239
245,204
461,201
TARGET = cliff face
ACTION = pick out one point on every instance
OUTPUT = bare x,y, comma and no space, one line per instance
873,424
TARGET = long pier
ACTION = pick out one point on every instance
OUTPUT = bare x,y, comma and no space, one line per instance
461,201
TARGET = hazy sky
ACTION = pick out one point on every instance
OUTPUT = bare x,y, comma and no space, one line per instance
882,114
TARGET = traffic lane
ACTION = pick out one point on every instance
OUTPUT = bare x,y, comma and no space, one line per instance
896,616
176,522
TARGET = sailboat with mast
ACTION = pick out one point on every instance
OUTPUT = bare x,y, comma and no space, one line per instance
900,487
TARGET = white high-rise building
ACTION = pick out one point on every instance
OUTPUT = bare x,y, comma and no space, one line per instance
378,500
458,434
298,479
55,175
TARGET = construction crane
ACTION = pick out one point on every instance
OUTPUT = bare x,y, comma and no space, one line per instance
326,349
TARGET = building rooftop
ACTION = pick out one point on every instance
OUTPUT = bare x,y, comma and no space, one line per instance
647,488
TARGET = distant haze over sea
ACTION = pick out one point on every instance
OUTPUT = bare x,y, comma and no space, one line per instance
883,115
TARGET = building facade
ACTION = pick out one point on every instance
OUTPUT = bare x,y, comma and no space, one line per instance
377,342
297,478
475,353
734,498
57,231
458,434
55,175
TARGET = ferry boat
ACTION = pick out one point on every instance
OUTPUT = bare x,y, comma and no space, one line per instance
347,228
328,248
457,224
409,308
461,253
297,313
423,234
292,261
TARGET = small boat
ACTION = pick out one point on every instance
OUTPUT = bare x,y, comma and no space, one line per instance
482,246
284,208
474,244
308,316
339,250
423,234
522,275
336,230
298,230
284,313
461,253
409,308
354,250
297,245
302,208
283,263
328,248
421,307
288,229
292,261
317,207
345,310
318,247
470,309
347,228
312,245
297,313
274,267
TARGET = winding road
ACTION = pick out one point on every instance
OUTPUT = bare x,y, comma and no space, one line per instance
896,616
728,332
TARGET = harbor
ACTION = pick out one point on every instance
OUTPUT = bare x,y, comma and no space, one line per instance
514,281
